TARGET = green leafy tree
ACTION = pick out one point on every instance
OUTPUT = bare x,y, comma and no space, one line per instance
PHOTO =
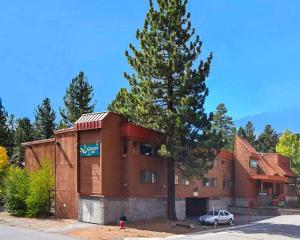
41,182
223,124
267,140
77,100
167,91
16,191
44,120
289,146
24,133
248,133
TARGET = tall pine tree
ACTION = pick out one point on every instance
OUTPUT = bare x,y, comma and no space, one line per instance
6,131
44,120
77,100
267,140
168,91
223,124
24,133
248,133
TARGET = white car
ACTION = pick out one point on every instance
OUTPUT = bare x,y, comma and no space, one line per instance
217,217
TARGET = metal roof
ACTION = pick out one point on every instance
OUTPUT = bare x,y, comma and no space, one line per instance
90,121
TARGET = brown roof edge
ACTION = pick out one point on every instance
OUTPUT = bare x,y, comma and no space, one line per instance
38,142
65,130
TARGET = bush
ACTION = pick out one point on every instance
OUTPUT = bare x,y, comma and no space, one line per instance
16,191
41,183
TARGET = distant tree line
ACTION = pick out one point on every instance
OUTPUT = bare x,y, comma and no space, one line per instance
14,132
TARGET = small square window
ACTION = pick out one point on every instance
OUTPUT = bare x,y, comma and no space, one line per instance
205,182
184,180
147,149
149,176
253,163
213,182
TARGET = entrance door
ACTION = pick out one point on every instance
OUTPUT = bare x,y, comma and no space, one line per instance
196,206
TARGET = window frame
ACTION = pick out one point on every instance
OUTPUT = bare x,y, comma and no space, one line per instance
149,177
251,160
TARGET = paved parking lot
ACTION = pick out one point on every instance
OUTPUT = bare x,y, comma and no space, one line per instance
282,227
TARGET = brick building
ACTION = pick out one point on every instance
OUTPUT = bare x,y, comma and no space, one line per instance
105,167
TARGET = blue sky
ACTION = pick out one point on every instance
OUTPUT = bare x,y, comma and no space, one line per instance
44,44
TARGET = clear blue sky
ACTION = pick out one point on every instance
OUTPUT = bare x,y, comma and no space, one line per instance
44,44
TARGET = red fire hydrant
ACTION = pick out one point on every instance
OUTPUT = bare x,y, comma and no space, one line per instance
122,224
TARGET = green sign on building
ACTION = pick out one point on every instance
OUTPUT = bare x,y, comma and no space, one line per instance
90,150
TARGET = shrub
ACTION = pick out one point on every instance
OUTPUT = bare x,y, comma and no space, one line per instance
41,182
3,167
16,190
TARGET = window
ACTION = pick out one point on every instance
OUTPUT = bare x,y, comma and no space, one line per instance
184,180
221,214
226,213
253,163
213,182
149,176
146,149
176,179
215,163
228,183
205,182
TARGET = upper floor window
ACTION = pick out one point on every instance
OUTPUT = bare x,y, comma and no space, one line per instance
147,149
228,184
184,180
149,176
215,164
213,182
176,179
253,163
205,182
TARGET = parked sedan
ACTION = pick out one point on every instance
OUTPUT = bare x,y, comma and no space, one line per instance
217,217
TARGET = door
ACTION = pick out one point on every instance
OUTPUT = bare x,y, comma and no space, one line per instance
222,217
196,206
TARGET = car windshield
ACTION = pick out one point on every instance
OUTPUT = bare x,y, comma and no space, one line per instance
213,213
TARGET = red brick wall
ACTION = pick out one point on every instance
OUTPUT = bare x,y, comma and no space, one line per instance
66,175
222,172
132,164
89,167
244,186
111,155
35,154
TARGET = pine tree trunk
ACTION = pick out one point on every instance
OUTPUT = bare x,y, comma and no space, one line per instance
171,190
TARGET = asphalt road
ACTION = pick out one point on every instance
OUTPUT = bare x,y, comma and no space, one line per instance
13,233
275,228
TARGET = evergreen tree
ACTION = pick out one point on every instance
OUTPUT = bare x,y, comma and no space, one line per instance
223,124
6,133
267,140
77,100
24,133
241,132
44,120
248,133
168,91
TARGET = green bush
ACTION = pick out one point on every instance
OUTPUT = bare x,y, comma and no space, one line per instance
41,183
16,191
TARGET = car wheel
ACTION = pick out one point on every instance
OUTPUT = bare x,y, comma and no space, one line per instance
216,222
230,222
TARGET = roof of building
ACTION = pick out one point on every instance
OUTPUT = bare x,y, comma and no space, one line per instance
50,140
90,121
269,168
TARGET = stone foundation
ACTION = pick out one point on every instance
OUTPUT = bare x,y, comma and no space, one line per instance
180,208
219,203
103,210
